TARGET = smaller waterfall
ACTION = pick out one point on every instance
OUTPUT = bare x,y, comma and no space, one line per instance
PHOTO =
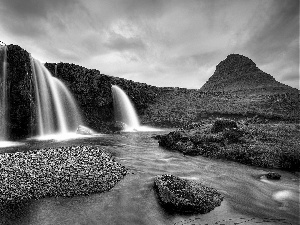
125,112
123,108
3,93
57,112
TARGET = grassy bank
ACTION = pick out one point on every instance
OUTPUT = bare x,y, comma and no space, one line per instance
265,145
65,171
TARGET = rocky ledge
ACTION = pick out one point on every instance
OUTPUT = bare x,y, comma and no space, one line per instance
185,196
65,171
264,145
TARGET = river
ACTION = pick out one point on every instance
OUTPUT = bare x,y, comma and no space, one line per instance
249,199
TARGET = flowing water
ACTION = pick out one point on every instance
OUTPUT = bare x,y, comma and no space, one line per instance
248,198
57,111
3,93
125,112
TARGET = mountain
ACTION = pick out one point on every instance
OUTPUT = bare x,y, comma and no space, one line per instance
239,73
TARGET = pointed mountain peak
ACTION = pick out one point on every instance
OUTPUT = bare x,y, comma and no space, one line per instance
240,73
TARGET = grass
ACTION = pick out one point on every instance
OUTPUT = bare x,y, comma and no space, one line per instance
265,145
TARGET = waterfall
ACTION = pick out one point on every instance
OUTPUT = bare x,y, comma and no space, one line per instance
123,108
125,112
57,112
3,93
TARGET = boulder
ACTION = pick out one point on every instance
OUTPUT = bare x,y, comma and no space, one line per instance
84,130
273,176
118,126
184,196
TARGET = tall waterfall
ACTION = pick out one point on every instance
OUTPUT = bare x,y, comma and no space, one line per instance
57,112
3,93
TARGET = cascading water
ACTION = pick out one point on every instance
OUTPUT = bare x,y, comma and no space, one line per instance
125,112
123,108
3,93
57,112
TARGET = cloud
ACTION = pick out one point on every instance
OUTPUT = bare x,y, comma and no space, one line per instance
164,43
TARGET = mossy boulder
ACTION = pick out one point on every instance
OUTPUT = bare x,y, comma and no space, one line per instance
183,196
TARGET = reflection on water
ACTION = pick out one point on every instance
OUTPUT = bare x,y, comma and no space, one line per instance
249,199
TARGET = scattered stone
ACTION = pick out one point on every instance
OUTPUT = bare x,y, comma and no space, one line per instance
185,196
273,176
84,130
65,171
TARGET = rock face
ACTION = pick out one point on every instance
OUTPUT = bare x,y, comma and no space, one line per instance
185,196
20,90
92,90
239,73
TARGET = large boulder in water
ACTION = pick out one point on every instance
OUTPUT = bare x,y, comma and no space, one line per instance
84,130
185,196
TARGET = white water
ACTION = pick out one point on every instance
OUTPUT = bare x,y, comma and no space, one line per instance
125,112
3,92
57,111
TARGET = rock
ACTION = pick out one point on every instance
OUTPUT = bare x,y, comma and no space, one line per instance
185,196
156,137
64,171
221,125
118,126
84,130
273,176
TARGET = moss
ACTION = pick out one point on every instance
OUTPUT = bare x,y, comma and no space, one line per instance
264,145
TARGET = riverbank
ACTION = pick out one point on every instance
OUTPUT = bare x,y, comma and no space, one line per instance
273,145
65,171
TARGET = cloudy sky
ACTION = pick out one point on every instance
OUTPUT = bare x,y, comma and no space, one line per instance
159,42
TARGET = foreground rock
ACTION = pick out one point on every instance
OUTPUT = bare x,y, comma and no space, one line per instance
65,171
185,196
264,145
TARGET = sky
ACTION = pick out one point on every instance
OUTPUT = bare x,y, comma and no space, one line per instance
166,43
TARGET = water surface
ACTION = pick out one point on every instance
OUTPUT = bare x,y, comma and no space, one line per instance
248,198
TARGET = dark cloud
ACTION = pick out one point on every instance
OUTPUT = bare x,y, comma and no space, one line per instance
281,28
35,8
34,17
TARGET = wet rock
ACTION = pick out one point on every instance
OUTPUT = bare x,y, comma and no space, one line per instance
118,126
273,176
185,196
156,137
84,130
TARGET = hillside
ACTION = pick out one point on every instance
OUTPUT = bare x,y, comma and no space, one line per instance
236,89
239,73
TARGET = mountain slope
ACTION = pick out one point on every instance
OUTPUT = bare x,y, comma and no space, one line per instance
239,73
